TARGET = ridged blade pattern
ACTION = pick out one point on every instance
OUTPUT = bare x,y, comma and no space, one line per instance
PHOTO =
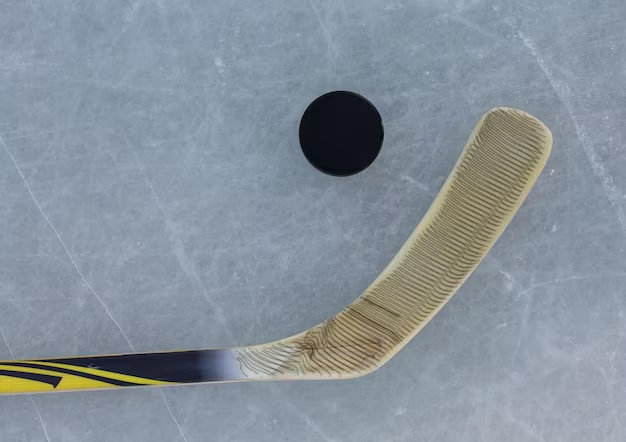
500,163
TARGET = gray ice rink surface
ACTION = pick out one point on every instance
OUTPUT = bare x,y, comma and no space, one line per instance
153,196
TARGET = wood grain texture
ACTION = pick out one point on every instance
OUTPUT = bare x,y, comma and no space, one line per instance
501,161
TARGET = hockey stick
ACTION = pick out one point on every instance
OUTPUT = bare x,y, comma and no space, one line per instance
500,163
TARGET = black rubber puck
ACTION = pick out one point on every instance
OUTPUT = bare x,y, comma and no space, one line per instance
341,133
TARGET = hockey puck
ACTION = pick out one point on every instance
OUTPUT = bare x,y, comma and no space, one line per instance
341,133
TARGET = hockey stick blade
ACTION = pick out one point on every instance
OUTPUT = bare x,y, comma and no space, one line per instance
500,163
